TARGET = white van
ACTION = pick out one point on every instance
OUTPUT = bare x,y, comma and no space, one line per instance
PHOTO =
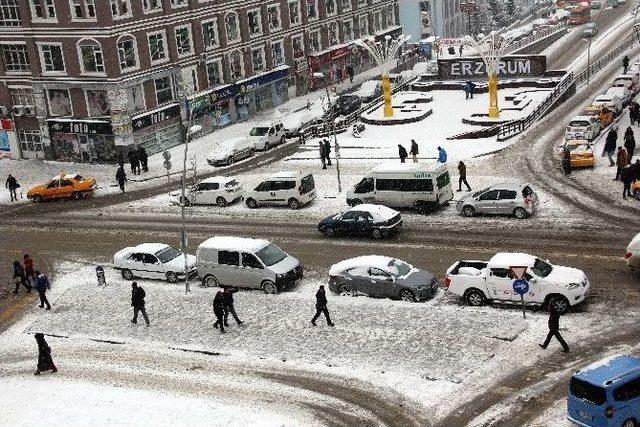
293,189
424,186
246,263
266,135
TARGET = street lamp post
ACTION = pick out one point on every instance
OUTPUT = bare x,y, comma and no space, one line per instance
336,148
590,40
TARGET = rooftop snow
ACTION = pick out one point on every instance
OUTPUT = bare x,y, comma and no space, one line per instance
378,212
427,167
511,259
376,261
232,243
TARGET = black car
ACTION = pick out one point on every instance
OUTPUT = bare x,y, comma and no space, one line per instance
347,104
363,220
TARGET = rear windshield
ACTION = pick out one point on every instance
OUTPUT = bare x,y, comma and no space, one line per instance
443,180
271,254
589,392
578,123
259,131
308,184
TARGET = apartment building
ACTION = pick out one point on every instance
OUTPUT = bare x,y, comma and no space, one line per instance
84,80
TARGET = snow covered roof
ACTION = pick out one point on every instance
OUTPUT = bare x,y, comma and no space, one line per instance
634,243
427,167
232,243
150,248
579,118
218,178
376,261
378,212
286,175
65,176
511,259
610,368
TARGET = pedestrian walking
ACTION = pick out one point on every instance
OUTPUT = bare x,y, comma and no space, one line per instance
629,143
323,159
460,50
636,170
42,284
120,160
321,307
469,87
19,277
462,173
633,113
144,159
121,177
45,361
137,302
414,151
627,177
442,155
621,162
29,272
566,161
228,305
610,146
350,72
218,311
132,155
12,185
635,107
554,330
625,64
402,152
327,151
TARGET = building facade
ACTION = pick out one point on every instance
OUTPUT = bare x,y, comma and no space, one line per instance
84,80
432,18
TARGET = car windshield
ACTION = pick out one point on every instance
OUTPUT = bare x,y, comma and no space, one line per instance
259,131
231,183
477,193
541,268
402,267
78,177
579,124
270,255
167,254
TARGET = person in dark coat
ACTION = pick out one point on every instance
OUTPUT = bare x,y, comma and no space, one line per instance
629,143
414,151
554,330
462,172
566,161
137,302
42,285
622,160
323,159
469,87
627,177
218,311
633,113
321,307
121,177
29,272
12,185
121,160
402,153
19,278
625,64
350,72
610,146
327,151
228,305
134,162
144,159
45,361
636,170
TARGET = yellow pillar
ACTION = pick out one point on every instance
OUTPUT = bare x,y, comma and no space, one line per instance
386,96
494,111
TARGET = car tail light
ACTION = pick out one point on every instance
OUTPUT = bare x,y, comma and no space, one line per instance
608,412
447,282
627,255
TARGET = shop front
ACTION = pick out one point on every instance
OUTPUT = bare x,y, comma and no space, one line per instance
82,140
332,63
159,129
262,92
8,145
213,108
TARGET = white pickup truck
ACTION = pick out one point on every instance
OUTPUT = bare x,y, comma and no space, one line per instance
481,281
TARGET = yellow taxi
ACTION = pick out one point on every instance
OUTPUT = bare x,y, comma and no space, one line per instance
635,189
580,152
604,114
63,186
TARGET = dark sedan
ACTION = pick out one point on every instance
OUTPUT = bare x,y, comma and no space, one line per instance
363,220
347,104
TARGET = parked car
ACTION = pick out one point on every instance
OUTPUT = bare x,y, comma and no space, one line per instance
246,263
266,135
346,104
590,29
580,153
632,255
424,186
369,91
294,189
153,261
606,393
629,80
231,150
621,92
218,190
605,117
363,220
63,186
382,277
613,102
479,282
583,127
295,122
505,198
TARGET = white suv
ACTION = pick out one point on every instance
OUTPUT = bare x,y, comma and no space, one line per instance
267,135
293,189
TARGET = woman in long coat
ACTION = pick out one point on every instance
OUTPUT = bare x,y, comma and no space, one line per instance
45,362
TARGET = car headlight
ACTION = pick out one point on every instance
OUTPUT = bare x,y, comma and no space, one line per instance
279,276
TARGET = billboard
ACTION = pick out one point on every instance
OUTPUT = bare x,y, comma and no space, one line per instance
509,66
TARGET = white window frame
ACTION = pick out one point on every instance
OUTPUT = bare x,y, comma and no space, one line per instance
83,71
142,97
293,52
10,15
242,71
27,66
335,7
315,7
46,4
178,4
347,37
42,61
49,103
319,38
337,33
260,30
298,16
214,22
135,49
155,89
26,98
226,28
217,61
263,63
283,56
119,4
149,9
86,100
163,33
279,14
24,141
84,4
190,33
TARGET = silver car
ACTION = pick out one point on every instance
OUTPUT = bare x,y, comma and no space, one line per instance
506,198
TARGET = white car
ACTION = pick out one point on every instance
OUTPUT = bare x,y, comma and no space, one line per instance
583,127
230,150
217,190
153,261
613,102
267,135
630,81
482,281
621,92
294,189
632,256
369,90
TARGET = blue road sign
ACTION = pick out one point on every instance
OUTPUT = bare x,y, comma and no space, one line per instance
520,286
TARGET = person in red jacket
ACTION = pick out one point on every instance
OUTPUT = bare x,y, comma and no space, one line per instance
29,271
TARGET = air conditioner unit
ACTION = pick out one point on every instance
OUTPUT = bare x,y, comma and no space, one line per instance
4,111
18,110
28,110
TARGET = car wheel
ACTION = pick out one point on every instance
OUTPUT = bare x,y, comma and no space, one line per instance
559,303
230,161
344,290
172,277
294,204
475,297
185,201
221,201
77,195
269,288
407,295
631,422
468,211
252,204
329,232
266,146
355,202
210,281
376,233
127,274
520,213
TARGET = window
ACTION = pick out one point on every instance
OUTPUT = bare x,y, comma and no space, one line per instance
30,140
346,5
312,9
307,184
91,57
282,185
390,184
273,16
97,103
277,53
150,6
15,57
314,42
257,58
390,20
298,46
214,72
210,33
503,273
330,6
231,26
43,9
255,22
236,66
164,90
490,195
135,99
628,391
83,9
347,31
364,186
158,46
363,25
376,21
508,194
184,43
9,13
190,80
52,59
443,180
333,34
179,3
21,96
59,102
127,53
228,258
250,261
294,12
120,9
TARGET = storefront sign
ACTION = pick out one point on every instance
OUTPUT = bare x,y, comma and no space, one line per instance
263,79
224,93
6,124
81,127
316,61
155,117
509,66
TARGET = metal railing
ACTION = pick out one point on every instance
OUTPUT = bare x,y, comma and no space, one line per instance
583,76
535,37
